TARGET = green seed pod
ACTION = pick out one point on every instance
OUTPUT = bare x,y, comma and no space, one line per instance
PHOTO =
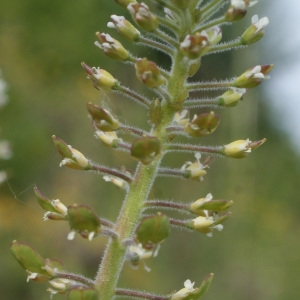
83,220
29,259
153,230
146,149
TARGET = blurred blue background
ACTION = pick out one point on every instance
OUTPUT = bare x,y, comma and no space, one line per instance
256,256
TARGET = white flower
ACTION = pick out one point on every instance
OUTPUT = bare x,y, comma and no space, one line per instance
195,170
185,292
260,24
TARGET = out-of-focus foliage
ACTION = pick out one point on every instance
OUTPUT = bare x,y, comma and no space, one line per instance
256,256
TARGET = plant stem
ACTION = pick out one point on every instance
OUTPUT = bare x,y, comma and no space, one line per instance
114,256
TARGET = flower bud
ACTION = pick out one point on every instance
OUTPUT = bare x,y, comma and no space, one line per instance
214,35
101,79
124,28
72,158
196,45
256,31
149,73
253,76
108,138
102,118
111,47
231,97
142,16
203,204
238,9
241,148
203,124
116,181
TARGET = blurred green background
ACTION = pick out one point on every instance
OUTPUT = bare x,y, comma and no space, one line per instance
41,46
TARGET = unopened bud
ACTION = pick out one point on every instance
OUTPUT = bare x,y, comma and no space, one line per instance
102,118
124,28
101,79
256,31
238,9
149,73
196,45
72,158
142,16
214,35
108,138
116,181
111,47
253,76
231,97
241,148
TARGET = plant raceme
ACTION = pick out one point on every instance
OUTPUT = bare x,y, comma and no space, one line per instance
186,31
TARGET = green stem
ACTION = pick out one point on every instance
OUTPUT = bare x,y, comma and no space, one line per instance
213,85
227,46
133,204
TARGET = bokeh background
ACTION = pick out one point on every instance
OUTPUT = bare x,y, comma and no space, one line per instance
255,257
